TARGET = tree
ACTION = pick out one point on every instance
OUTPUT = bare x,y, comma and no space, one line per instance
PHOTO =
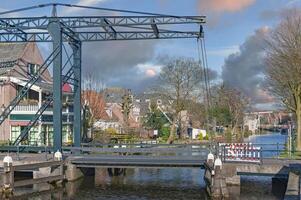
154,118
283,66
179,80
228,107
126,106
92,102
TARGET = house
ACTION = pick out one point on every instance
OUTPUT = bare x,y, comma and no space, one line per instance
19,62
266,120
108,120
114,118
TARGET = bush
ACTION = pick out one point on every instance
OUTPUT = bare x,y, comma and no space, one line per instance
200,137
111,131
206,137
228,136
164,133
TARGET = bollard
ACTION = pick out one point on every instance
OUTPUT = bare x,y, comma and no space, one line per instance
210,159
218,164
58,155
8,177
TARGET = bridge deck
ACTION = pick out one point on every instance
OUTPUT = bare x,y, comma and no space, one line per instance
136,161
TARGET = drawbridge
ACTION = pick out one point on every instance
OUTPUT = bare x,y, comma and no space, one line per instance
73,31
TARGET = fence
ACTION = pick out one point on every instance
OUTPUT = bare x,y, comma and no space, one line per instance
240,152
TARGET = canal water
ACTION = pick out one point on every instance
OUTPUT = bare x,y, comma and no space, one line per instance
165,184
272,143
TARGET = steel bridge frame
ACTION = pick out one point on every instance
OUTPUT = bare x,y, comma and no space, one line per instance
74,31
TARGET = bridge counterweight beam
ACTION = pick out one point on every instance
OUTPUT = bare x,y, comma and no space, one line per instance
77,124
55,31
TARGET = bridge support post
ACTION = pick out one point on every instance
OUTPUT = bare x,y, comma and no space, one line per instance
77,125
55,31
73,173
101,175
230,173
219,187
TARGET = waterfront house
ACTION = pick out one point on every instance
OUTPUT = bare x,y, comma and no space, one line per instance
18,63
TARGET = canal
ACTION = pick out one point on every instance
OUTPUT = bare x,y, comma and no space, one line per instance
167,184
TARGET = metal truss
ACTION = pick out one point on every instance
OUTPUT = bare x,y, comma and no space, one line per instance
48,101
96,21
21,94
97,36
77,29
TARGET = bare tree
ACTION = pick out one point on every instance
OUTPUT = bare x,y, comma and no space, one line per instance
236,103
283,60
179,79
93,101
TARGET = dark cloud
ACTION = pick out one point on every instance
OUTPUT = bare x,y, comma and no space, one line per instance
116,62
244,70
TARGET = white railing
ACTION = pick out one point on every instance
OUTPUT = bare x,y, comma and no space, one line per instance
28,108
240,152
34,108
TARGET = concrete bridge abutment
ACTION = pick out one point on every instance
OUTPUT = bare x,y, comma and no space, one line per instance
72,172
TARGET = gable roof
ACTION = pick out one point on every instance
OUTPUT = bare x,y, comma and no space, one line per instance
11,51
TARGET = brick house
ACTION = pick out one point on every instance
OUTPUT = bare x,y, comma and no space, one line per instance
18,63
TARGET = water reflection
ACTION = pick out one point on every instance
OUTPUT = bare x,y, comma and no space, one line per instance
144,184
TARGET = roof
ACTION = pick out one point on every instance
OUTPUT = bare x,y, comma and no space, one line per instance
4,70
67,88
11,51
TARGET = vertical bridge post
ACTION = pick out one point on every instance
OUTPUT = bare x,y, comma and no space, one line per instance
55,31
77,124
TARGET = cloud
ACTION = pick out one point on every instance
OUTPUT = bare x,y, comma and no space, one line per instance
244,70
83,3
220,6
223,51
278,13
292,2
90,2
120,63
149,69
213,9
150,72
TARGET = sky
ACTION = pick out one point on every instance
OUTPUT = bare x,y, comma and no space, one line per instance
234,34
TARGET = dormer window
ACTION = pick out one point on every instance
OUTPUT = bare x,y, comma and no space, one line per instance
32,68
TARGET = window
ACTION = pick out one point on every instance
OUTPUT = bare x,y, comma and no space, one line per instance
32,68
159,102
34,137
15,132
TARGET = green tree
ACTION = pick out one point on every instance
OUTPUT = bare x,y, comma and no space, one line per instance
154,119
126,106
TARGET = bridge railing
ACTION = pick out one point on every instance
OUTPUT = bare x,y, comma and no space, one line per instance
254,152
240,152
278,151
184,150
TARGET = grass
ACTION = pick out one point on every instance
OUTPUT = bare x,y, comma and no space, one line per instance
294,155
